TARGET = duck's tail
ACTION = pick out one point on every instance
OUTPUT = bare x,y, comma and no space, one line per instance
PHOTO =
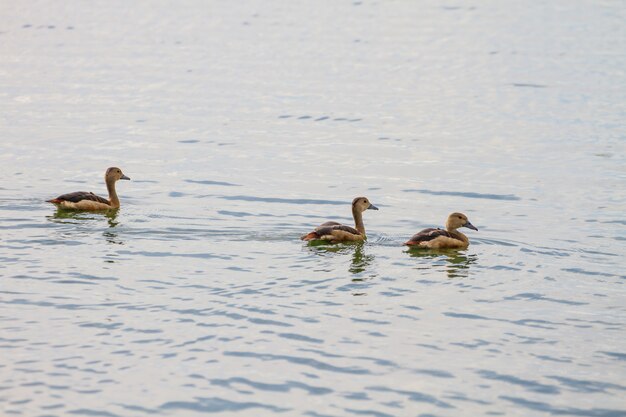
310,236
54,201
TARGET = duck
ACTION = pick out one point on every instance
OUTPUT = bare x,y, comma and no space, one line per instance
448,238
334,232
83,200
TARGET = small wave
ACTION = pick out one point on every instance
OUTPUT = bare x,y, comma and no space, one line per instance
510,197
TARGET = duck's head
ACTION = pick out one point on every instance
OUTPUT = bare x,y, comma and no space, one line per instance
456,220
114,174
361,204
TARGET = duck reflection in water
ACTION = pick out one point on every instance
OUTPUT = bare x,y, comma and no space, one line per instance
62,216
360,259
456,264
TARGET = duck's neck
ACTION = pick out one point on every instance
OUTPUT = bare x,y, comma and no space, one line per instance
358,220
454,232
115,201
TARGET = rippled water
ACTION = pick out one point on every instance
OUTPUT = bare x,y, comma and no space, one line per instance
245,125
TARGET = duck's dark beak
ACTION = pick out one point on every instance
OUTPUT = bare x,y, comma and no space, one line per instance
372,207
470,226
124,177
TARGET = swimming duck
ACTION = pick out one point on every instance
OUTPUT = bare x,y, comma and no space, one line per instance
83,200
334,232
449,238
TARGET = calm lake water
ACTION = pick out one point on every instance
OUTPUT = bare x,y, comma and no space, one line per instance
244,125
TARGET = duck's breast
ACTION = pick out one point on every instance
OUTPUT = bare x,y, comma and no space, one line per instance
444,242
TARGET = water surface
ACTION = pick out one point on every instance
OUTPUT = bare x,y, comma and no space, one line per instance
245,126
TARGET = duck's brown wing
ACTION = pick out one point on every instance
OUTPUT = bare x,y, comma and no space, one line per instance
77,196
428,234
327,229
328,224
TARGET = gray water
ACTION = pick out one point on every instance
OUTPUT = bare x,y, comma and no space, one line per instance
244,125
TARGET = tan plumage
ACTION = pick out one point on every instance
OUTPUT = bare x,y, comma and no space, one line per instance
334,232
450,238
83,200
